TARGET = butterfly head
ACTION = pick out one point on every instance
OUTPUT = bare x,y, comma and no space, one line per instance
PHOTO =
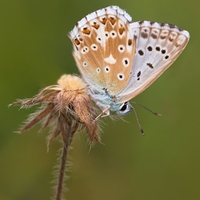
124,108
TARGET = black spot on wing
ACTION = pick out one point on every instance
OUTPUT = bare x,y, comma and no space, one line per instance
150,65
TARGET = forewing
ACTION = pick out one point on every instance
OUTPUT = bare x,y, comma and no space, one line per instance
104,49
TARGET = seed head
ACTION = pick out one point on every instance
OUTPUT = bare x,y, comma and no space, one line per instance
64,107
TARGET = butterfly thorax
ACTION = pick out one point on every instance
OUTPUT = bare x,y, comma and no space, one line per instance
106,101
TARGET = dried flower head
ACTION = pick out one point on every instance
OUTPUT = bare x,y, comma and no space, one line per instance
66,107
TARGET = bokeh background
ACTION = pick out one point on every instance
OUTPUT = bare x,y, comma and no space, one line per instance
35,52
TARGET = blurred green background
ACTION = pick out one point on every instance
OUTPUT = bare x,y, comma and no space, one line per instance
35,52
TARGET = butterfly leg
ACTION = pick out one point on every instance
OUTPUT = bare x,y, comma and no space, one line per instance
104,113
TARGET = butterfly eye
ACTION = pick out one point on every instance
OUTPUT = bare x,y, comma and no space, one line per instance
124,109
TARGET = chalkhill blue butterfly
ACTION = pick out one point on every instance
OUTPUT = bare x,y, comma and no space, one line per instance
119,59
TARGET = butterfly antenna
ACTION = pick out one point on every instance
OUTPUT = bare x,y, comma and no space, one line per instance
137,119
151,111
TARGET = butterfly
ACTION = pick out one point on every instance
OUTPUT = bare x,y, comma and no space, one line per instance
119,58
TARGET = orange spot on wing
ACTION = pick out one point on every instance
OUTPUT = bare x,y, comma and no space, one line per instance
130,42
103,21
76,41
96,26
86,31
121,30
112,20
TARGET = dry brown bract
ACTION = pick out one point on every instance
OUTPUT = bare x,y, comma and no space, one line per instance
66,107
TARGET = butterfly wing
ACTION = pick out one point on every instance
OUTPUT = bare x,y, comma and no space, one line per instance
104,49
157,47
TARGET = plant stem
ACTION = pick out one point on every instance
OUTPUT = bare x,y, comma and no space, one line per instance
67,134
